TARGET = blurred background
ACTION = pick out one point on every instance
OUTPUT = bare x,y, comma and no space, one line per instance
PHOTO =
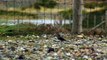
16,13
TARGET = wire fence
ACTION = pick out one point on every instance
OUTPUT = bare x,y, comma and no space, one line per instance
21,11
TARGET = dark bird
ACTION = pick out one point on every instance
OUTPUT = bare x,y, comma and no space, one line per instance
12,48
21,57
59,37
1,47
50,50
26,50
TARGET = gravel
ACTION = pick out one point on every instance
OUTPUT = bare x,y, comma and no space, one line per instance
87,48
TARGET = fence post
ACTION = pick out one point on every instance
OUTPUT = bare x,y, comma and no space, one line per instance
106,22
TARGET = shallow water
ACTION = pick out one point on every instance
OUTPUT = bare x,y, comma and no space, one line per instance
36,21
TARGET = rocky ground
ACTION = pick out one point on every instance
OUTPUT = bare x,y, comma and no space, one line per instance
50,48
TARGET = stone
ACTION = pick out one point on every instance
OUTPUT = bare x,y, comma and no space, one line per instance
68,54
85,56
38,49
80,36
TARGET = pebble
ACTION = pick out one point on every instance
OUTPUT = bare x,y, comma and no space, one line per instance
35,48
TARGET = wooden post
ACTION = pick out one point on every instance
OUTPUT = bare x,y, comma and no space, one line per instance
77,16
106,22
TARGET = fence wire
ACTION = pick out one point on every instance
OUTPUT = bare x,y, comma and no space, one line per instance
21,11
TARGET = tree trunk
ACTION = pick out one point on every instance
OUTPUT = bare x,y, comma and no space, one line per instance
106,23
77,16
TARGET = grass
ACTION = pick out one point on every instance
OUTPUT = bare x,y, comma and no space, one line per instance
30,29
16,29
15,14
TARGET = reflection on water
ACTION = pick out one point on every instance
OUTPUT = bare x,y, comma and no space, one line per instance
38,21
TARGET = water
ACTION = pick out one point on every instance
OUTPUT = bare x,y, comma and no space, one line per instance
36,21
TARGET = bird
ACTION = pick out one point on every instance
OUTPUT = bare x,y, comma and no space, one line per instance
50,50
59,37
21,57
1,47
26,50
12,48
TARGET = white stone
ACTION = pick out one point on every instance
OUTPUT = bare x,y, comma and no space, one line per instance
9,40
37,36
85,56
45,46
68,54
73,59
55,54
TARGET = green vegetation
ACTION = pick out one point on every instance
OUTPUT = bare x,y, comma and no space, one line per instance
95,4
10,14
29,29
68,15
45,3
91,18
16,29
